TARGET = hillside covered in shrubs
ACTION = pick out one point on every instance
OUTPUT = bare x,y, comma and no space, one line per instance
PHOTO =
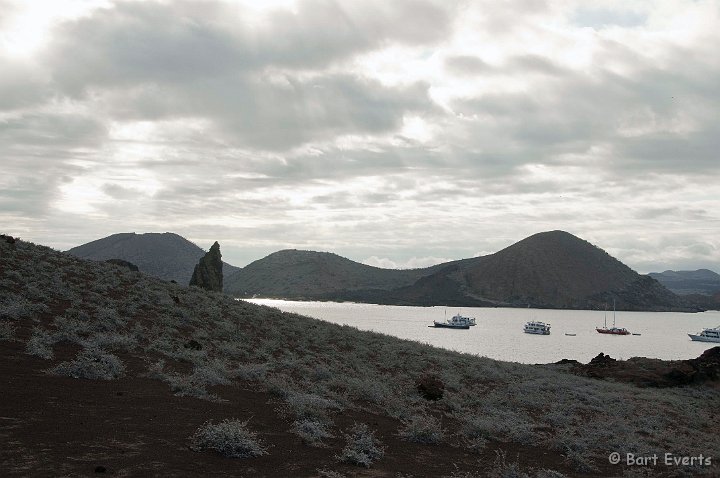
107,370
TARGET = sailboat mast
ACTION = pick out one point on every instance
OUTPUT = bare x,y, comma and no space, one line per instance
613,312
606,315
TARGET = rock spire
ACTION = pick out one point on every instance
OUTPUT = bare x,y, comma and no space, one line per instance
208,272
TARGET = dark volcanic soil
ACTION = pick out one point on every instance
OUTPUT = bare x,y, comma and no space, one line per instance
134,426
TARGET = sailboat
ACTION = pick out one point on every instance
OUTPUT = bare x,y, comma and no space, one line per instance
612,330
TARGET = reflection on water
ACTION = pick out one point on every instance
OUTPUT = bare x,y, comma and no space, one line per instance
499,332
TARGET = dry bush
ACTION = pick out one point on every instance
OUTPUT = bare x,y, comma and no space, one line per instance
92,364
361,447
230,438
312,432
7,330
422,429
40,344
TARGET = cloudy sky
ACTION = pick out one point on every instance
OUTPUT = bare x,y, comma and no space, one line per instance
397,133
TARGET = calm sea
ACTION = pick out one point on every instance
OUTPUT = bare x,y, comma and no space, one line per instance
499,332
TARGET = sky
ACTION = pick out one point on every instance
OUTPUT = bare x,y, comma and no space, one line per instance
398,134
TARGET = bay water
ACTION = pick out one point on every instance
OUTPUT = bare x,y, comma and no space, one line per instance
499,331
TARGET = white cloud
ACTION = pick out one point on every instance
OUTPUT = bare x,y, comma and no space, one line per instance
397,133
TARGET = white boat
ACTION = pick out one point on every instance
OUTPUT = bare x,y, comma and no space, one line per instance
536,327
460,319
455,322
711,334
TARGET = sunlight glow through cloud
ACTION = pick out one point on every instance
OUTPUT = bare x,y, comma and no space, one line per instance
28,28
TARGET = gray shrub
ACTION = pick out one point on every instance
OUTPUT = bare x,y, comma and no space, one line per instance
361,448
422,429
312,432
7,330
92,364
230,438
40,344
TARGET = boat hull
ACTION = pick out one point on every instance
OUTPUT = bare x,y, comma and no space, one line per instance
449,326
702,338
612,332
537,332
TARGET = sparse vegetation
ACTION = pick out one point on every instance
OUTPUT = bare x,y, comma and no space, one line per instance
314,372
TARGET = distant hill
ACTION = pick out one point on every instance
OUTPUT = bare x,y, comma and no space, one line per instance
551,269
166,255
316,275
701,281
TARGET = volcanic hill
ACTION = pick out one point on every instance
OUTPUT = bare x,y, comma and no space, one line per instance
309,274
166,255
551,269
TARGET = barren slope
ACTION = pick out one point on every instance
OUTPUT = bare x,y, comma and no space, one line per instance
103,367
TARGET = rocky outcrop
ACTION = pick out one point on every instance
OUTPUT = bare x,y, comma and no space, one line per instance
208,272
645,372
602,360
